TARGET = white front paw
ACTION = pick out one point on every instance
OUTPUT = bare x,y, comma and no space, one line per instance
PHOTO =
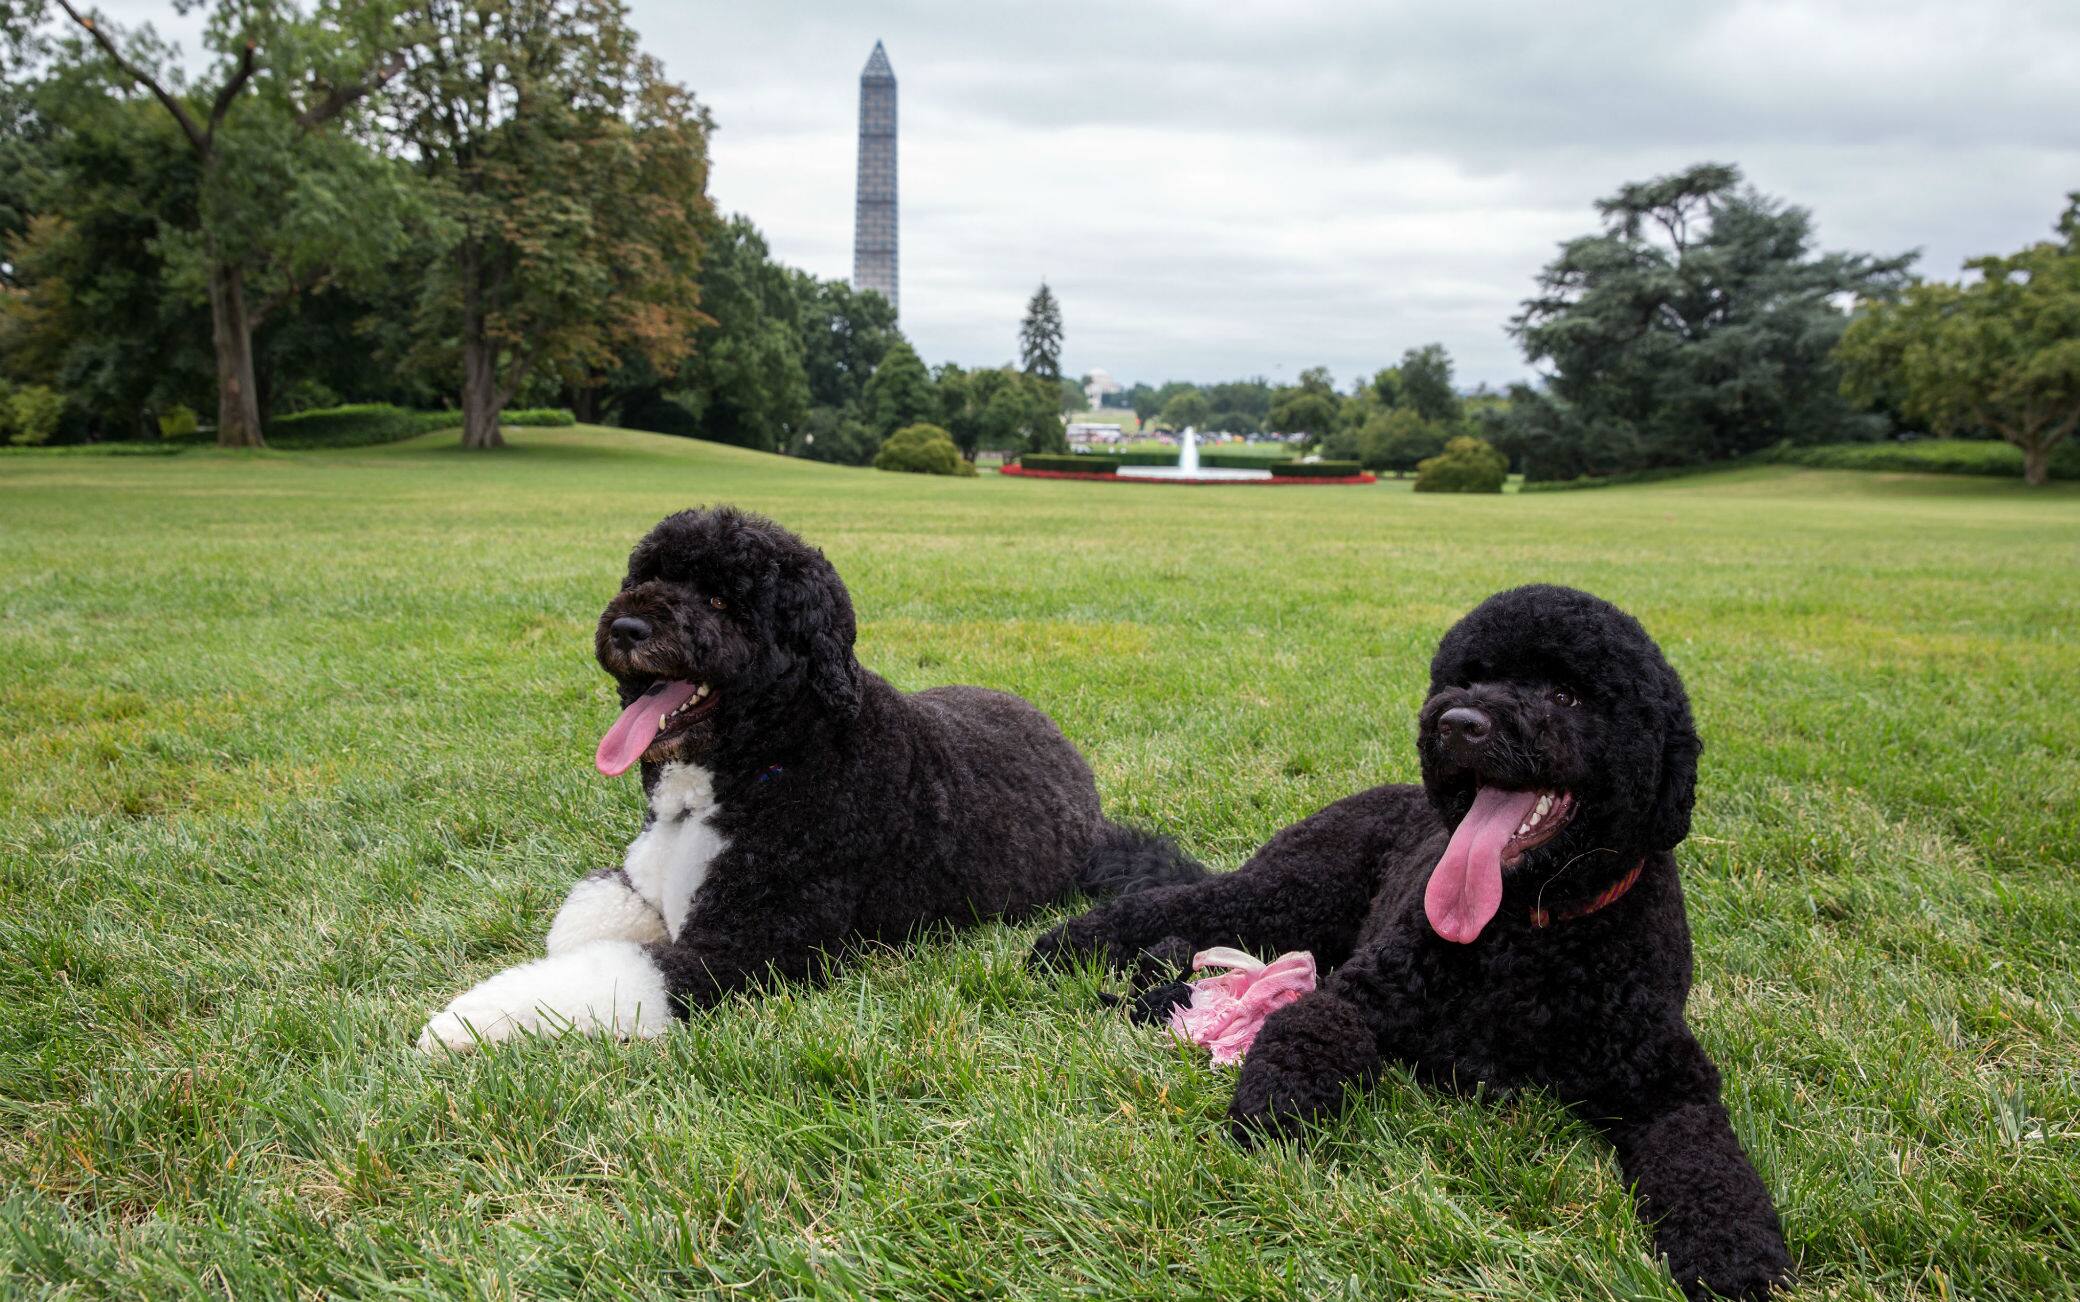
448,1032
606,986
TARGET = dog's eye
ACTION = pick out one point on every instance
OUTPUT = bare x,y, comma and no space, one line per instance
717,603
1562,697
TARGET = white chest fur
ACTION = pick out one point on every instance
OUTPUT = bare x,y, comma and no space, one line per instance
667,863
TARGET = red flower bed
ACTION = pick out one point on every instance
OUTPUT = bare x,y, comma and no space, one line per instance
1021,473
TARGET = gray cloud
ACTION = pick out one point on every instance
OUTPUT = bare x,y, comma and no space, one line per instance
1256,187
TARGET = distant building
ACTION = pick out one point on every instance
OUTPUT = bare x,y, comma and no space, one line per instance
874,204
1092,432
1098,387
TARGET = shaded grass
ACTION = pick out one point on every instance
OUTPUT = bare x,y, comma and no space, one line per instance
295,747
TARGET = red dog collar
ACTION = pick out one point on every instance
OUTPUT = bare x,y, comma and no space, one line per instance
1541,918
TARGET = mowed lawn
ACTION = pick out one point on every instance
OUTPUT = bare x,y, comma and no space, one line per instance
294,747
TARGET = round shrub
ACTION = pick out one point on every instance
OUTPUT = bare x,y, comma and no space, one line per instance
30,415
922,450
179,422
1467,465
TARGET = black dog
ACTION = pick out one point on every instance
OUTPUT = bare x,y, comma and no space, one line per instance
797,801
1514,921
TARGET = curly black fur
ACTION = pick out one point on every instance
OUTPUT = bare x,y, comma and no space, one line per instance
848,809
1588,1005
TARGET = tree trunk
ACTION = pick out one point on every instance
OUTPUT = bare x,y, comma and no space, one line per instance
238,398
2036,465
480,400
480,405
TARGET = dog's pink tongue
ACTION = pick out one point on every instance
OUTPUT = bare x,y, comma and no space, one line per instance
1466,886
637,727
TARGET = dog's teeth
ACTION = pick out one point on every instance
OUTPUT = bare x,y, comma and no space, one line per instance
1544,803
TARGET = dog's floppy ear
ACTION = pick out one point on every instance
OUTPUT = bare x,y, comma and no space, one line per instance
1669,822
816,614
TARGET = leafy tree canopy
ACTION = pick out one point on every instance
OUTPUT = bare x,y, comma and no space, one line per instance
1309,407
900,392
1188,409
1698,324
2001,352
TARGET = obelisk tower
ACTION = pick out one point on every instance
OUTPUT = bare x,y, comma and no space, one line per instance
874,209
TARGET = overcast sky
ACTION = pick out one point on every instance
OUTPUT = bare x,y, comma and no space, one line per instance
1243,188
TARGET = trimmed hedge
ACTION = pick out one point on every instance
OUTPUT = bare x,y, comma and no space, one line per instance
1616,481
365,424
1130,457
537,417
1069,463
1243,460
1928,456
1315,469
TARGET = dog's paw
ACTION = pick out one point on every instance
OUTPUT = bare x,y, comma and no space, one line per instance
1270,1105
1153,1007
609,986
1749,1274
1299,1068
449,1032
1076,939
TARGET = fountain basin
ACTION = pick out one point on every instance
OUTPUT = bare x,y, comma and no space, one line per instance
1203,474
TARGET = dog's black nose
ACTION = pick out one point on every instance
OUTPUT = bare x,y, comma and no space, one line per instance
1464,730
627,631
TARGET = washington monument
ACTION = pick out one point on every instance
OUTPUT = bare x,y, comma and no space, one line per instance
874,207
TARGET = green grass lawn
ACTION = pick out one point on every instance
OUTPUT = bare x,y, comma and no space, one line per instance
295,747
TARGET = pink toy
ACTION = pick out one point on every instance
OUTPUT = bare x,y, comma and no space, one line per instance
1227,1011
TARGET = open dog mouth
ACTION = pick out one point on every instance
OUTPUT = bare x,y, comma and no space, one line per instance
1548,815
665,708
1465,889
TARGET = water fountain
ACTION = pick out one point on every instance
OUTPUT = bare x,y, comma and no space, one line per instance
1188,467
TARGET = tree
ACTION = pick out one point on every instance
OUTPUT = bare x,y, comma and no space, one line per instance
1424,379
1399,440
572,177
998,408
845,333
1145,403
744,381
1699,324
1040,336
1386,386
2001,353
1467,465
1188,410
1004,409
1310,407
900,393
280,78
1244,402
89,314
835,435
